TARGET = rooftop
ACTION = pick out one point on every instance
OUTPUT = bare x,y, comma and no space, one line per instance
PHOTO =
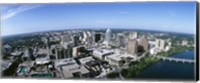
16,53
116,57
42,51
86,59
69,66
103,51
42,58
66,62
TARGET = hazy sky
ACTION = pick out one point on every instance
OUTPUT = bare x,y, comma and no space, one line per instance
25,18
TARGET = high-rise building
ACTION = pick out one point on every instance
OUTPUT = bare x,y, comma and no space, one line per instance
97,37
85,36
133,35
76,50
132,47
63,51
120,40
89,33
76,40
108,36
160,44
143,42
65,38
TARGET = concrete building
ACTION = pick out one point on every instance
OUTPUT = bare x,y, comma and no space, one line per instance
85,36
5,64
97,37
76,50
89,33
63,53
27,54
76,40
160,44
66,50
70,69
167,48
84,60
65,38
17,53
115,59
143,42
42,59
184,42
132,47
133,35
7,48
101,53
153,51
108,36
45,40
120,40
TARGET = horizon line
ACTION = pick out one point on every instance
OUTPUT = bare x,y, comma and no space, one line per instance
99,28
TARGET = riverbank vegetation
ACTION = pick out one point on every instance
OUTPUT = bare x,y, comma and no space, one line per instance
175,50
137,67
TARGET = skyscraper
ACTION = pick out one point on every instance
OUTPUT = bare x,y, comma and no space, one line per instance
132,46
160,44
133,35
85,36
108,36
65,38
120,40
97,37
76,40
143,42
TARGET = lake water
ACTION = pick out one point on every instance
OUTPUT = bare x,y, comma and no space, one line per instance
171,70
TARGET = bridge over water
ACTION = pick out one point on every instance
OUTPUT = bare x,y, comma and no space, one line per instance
175,59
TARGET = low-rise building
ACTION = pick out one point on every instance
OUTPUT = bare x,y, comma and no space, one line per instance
5,64
115,59
154,51
16,53
184,42
101,53
42,59
70,69
85,60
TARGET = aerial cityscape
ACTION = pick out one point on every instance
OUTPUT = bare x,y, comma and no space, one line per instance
108,49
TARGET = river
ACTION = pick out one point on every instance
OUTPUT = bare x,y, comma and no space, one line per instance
171,70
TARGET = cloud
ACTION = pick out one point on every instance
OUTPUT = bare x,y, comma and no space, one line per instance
14,11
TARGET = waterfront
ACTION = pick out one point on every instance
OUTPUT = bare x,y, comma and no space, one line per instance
171,70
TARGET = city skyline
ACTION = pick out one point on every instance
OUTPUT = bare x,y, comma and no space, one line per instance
170,16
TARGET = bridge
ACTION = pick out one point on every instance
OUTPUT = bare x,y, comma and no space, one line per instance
176,59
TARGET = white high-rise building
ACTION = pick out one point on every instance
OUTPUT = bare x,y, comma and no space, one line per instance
108,36
160,44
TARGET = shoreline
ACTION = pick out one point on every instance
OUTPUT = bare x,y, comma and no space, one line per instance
160,59
141,66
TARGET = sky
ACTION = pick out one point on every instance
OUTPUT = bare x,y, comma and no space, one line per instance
161,16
